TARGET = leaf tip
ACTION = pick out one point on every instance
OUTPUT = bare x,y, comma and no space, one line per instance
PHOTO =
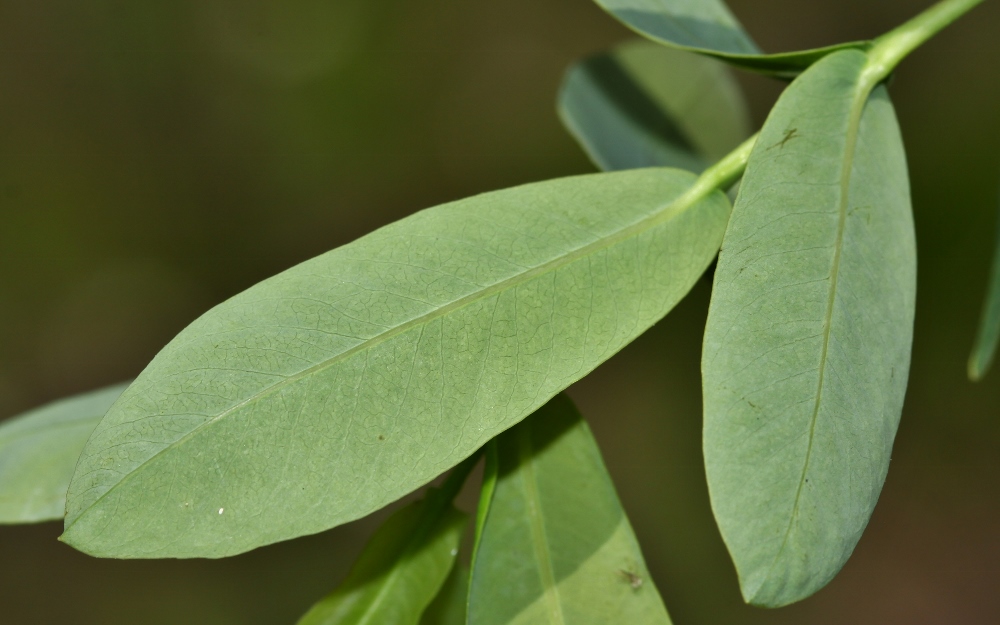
978,367
762,594
72,537
783,583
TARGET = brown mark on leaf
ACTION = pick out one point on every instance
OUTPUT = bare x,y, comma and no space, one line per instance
631,578
792,133
864,211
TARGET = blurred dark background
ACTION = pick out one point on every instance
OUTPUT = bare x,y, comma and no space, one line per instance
159,157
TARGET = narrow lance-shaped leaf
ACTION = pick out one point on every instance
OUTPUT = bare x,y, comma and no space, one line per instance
807,346
644,105
988,334
400,571
554,545
39,450
448,608
708,27
336,387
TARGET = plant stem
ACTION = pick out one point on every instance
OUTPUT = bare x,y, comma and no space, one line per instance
892,47
886,52
719,176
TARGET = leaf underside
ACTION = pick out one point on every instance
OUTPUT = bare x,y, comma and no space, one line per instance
807,345
336,387
555,546
645,105
708,27
399,572
39,450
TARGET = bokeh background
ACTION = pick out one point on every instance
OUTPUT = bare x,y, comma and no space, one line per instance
159,157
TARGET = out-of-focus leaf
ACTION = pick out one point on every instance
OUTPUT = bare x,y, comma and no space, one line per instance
989,323
338,386
644,105
448,608
708,27
399,572
807,346
39,450
555,546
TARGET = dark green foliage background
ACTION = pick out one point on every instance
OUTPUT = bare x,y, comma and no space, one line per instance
156,158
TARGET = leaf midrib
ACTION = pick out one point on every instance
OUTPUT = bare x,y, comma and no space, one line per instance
674,208
539,537
381,593
863,90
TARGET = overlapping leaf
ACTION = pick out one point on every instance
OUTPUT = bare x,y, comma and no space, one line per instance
334,388
39,450
989,324
708,27
399,572
807,346
553,543
448,608
644,105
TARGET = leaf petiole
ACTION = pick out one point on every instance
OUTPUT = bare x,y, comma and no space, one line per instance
719,176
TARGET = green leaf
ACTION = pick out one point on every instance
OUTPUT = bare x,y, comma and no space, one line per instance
708,27
643,105
448,608
399,572
336,387
989,323
807,345
39,450
555,546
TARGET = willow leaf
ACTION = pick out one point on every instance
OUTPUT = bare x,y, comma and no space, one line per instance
807,345
708,27
554,546
39,450
988,334
399,572
336,387
644,105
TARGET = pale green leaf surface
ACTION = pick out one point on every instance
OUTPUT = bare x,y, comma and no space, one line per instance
988,334
448,608
336,387
398,574
644,105
807,345
708,27
39,450
556,547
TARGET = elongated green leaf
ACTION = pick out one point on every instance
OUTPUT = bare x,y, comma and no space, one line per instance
448,608
39,450
644,105
989,323
399,573
332,389
708,27
807,347
555,546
